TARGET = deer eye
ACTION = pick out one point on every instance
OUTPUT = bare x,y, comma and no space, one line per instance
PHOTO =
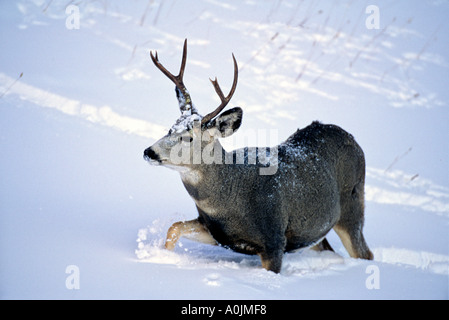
185,139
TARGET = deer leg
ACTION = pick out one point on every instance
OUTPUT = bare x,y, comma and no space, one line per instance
354,243
322,246
192,229
272,261
349,227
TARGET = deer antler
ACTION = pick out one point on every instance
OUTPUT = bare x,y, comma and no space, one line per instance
224,100
185,102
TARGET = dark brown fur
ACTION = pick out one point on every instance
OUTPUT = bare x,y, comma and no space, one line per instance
319,185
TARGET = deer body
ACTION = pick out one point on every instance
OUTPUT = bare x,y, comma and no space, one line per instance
318,185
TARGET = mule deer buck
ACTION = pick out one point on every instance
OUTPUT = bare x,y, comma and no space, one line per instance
317,184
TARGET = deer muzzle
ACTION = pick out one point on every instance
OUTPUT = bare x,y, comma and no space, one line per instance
150,155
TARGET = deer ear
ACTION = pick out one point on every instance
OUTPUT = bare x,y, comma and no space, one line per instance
228,122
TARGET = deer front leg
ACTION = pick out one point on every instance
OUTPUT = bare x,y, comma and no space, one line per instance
192,229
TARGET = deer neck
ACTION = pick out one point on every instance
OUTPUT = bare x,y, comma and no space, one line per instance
203,180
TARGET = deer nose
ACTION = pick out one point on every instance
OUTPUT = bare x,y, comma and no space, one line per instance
149,154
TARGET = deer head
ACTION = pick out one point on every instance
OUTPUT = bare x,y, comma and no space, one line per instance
193,135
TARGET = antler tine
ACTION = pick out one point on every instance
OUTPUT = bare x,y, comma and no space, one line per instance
224,100
183,61
177,80
162,68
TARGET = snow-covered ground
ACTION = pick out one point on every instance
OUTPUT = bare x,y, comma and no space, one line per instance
76,194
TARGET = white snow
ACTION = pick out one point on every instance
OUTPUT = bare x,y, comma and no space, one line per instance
75,190
185,122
